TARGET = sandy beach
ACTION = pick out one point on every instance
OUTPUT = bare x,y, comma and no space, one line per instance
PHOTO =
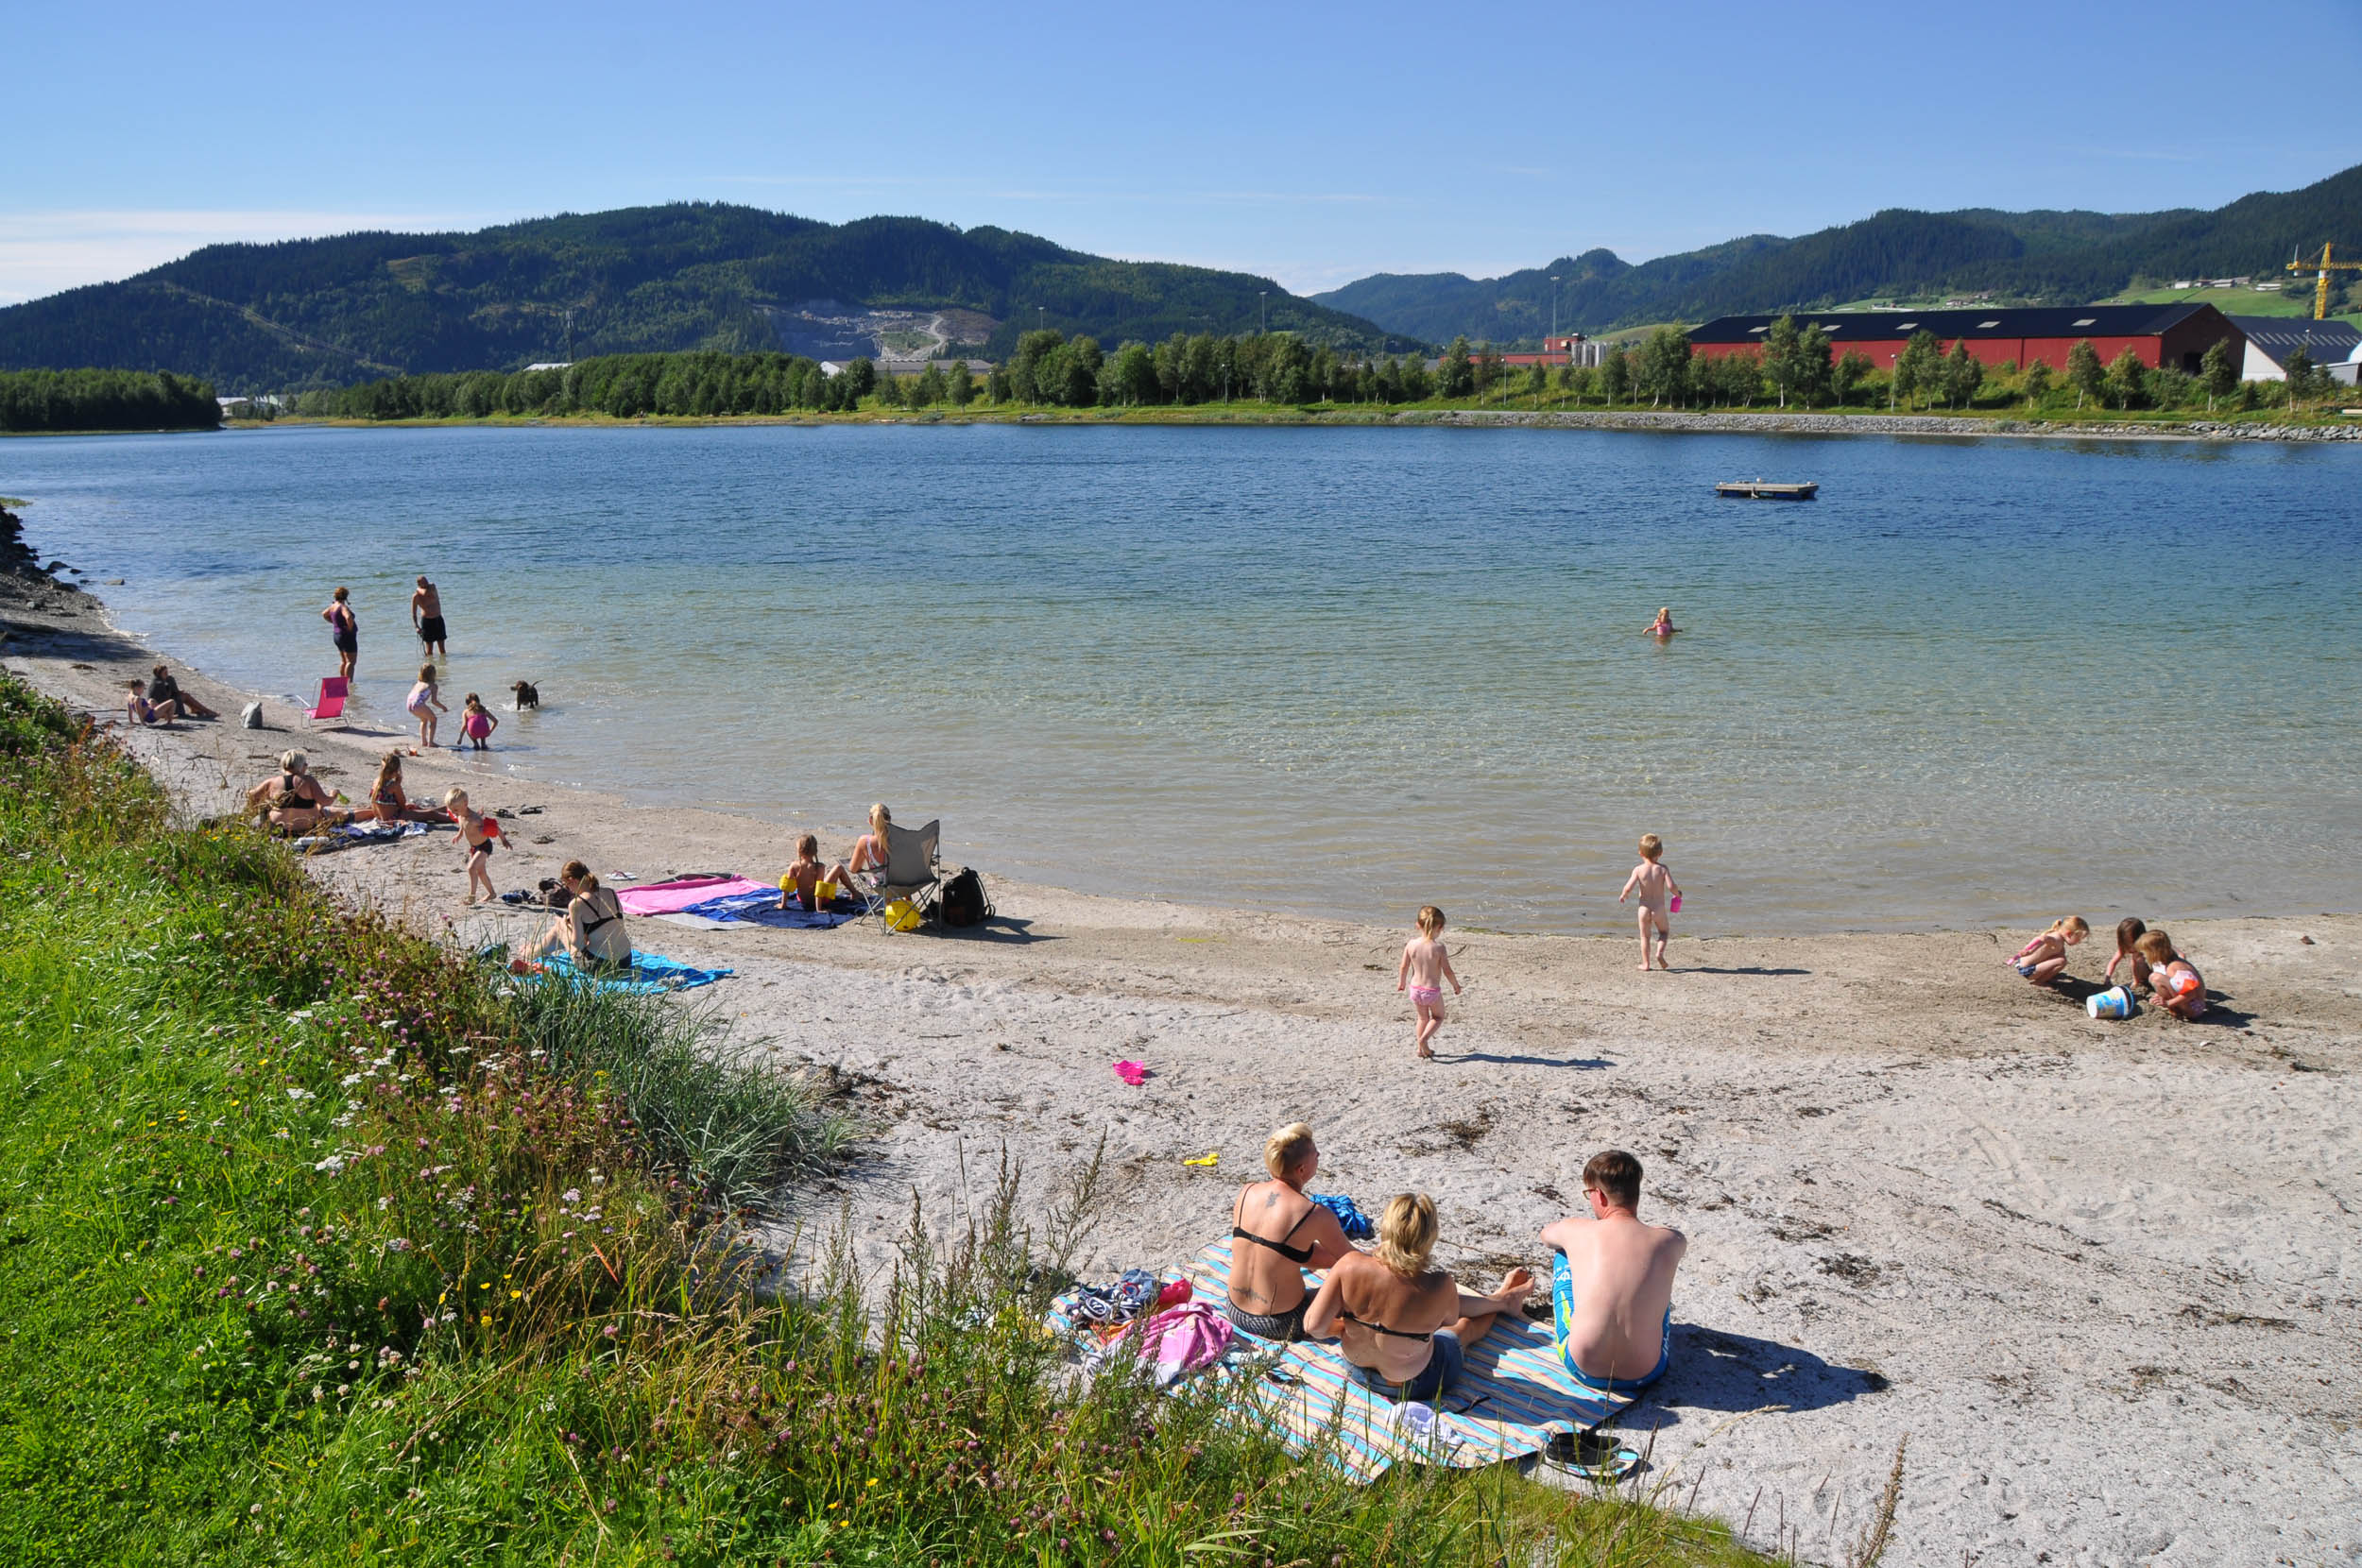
2102,1274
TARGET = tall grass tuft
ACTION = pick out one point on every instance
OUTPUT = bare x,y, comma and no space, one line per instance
319,1242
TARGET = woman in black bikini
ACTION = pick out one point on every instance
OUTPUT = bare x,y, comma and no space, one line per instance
591,931
1275,1234
1404,1325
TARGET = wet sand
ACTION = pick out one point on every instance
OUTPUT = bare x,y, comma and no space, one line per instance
2102,1274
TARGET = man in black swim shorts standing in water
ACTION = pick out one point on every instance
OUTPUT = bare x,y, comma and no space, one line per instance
426,614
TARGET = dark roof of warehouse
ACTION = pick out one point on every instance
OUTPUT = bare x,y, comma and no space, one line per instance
1993,321
2290,331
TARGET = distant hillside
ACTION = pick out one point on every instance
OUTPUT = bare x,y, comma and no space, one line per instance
694,275
2043,257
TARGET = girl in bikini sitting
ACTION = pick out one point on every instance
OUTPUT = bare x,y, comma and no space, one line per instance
2175,981
1275,1234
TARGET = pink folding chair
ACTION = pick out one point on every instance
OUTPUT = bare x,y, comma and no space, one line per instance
331,704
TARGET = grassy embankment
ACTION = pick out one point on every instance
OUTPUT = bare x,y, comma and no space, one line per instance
322,1245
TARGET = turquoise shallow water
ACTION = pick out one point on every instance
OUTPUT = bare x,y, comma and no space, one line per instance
1342,671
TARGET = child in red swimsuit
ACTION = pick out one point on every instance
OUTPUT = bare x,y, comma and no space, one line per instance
477,722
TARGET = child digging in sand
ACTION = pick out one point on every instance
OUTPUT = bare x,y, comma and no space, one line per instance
477,835
2180,989
1659,895
2045,959
1426,966
476,723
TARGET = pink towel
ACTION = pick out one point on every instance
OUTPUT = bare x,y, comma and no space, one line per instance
671,898
1134,1073
1180,1340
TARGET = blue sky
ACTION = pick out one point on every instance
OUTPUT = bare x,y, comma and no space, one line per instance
1310,143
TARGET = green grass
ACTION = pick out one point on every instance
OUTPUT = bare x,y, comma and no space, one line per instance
321,1245
2294,300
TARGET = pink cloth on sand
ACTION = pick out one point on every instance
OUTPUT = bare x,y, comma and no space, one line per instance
672,897
1134,1073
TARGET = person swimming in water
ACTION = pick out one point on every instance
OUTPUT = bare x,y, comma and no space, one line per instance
1663,627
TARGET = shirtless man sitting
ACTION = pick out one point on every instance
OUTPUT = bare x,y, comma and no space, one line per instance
1405,1326
1612,1281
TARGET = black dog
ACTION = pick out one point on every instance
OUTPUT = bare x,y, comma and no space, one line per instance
528,695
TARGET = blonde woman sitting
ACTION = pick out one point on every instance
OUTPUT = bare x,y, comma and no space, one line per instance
1404,1324
1275,1234
871,853
592,930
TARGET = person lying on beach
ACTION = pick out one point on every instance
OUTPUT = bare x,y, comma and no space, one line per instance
1663,627
1612,1281
291,800
2129,933
802,879
1659,894
1404,1324
592,929
477,835
2043,959
163,689
2180,989
141,710
1426,966
424,703
1277,1233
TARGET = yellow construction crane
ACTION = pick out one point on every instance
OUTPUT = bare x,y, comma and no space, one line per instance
2320,290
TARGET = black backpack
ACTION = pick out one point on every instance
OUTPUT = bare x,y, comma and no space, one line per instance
962,902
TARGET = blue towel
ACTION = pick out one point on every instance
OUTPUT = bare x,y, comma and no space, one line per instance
762,909
1352,1220
649,975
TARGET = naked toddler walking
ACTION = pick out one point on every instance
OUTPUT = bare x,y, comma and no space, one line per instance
1659,896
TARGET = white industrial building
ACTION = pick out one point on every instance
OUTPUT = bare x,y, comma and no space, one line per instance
2335,345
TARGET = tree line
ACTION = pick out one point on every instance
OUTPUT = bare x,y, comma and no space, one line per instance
53,400
1794,366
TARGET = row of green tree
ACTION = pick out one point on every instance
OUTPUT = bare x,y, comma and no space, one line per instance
49,400
1800,366
1794,366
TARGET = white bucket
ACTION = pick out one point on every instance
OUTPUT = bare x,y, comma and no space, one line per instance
2114,1002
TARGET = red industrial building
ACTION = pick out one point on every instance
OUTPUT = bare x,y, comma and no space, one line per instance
2175,336
1573,348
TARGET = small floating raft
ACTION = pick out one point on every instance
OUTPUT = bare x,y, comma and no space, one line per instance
1758,489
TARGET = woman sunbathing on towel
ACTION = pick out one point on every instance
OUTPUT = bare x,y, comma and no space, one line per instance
1405,1324
592,930
1277,1233
388,801
292,801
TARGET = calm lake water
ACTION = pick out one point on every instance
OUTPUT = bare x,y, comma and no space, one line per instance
1342,672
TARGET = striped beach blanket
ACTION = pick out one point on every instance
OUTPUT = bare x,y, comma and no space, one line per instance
1513,1398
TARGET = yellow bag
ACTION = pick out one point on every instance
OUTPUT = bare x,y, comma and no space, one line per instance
901,916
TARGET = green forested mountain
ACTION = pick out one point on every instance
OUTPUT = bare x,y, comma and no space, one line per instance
2043,257
692,275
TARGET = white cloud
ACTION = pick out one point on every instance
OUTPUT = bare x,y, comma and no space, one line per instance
44,252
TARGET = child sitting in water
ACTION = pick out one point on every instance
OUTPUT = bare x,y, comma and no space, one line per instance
802,879
1426,966
1659,896
477,835
476,723
2181,990
1663,627
425,704
2129,933
2045,959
